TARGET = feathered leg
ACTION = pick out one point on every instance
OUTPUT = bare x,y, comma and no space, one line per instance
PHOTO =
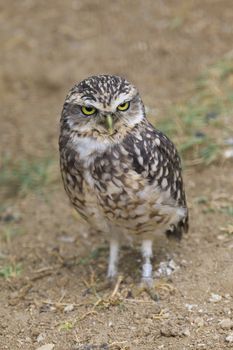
147,277
113,259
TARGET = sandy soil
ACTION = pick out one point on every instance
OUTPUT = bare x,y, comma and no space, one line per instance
51,288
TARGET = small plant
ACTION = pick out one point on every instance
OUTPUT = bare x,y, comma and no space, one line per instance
10,271
66,326
228,210
24,175
95,254
10,232
199,127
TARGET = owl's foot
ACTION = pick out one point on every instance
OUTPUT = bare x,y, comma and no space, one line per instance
147,285
147,282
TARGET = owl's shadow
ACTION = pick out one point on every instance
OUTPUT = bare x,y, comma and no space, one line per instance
130,258
130,263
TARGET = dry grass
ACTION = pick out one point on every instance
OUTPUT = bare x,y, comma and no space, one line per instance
201,126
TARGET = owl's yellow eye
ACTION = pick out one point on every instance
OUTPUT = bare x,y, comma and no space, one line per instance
123,106
88,110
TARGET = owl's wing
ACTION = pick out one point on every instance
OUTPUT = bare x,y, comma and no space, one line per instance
78,191
72,180
156,159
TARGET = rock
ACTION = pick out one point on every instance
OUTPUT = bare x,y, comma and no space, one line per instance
229,141
66,239
169,330
186,332
215,298
221,237
227,311
229,338
226,323
40,337
228,153
215,337
69,308
10,215
200,134
190,306
28,340
174,329
227,296
146,330
211,115
172,265
166,268
199,321
46,347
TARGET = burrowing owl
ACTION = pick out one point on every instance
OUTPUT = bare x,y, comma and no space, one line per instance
120,173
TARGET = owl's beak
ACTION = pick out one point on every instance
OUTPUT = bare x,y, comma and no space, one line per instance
109,123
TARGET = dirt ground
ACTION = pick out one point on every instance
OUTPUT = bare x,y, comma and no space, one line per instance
52,272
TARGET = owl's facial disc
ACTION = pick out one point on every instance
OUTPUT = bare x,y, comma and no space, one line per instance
103,106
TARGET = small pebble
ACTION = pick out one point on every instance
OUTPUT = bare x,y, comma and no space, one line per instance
229,338
166,268
227,296
146,330
215,298
226,323
10,215
46,347
221,237
228,153
190,306
229,141
40,337
169,331
200,134
201,345
211,115
28,340
172,265
227,310
69,308
186,332
199,321
66,239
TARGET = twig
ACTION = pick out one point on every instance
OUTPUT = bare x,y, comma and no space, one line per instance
62,304
91,312
115,343
119,280
21,294
139,301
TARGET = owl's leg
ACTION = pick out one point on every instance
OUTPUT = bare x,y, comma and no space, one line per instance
113,259
147,277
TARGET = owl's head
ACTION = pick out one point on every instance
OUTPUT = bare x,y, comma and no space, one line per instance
103,106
